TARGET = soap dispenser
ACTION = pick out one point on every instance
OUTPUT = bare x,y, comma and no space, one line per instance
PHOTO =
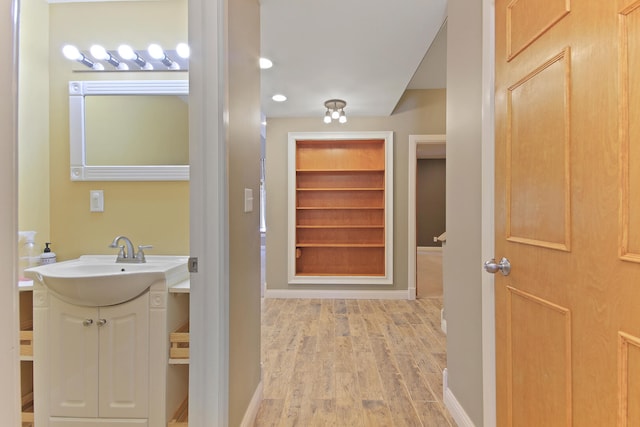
47,256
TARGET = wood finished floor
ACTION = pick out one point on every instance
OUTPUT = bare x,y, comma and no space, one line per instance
352,363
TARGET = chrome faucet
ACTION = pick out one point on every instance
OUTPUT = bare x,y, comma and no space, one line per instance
130,254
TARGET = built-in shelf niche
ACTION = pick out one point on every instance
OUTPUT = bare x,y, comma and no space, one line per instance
340,195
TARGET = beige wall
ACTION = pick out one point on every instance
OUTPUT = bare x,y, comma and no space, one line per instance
154,213
418,112
33,121
462,267
243,145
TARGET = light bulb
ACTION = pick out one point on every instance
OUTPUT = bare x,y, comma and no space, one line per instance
335,114
71,52
97,66
155,51
183,50
99,52
343,117
327,117
126,52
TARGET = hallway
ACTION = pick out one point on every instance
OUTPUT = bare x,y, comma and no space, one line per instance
352,363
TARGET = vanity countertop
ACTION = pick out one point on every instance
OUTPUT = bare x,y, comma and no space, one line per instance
181,288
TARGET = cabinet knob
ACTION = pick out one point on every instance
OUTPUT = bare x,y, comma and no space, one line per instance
87,322
101,322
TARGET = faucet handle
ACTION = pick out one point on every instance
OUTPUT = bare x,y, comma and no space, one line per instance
120,251
140,254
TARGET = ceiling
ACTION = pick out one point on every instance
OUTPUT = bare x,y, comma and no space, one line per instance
366,52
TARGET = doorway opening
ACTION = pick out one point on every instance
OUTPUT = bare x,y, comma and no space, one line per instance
427,147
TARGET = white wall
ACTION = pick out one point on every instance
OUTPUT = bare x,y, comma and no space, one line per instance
462,268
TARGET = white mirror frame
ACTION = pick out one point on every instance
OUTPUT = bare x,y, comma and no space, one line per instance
80,171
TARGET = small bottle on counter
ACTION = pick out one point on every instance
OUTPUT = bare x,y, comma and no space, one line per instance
47,256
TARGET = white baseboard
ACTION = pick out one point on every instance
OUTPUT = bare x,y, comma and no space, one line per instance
427,249
335,294
455,409
252,410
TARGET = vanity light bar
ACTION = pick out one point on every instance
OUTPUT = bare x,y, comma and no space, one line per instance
126,58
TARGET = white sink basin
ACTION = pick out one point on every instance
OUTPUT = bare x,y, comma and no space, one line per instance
97,280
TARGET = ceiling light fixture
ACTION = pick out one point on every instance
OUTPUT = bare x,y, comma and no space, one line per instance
335,111
279,98
125,58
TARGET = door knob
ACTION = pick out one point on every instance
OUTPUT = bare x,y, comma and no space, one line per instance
492,267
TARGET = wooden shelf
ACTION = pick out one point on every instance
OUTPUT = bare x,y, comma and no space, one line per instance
339,170
179,350
341,189
340,245
26,340
343,208
340,207
27,409
181,416
339,227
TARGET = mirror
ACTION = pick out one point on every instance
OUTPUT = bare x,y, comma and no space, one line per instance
129,130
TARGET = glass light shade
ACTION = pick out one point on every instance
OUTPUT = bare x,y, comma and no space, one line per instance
71,52
327,117
126,52
335,114
155,51
343,117
99,52
183,50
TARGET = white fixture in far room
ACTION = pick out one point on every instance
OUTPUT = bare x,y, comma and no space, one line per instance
335,111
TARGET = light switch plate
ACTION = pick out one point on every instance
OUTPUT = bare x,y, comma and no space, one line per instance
248,200
96,200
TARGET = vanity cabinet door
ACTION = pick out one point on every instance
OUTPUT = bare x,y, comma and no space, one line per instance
124,359
73,360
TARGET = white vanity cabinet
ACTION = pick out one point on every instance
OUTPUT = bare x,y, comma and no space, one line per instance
104,362
99,360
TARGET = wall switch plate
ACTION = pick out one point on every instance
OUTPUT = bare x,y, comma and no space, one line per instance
96,200
248,200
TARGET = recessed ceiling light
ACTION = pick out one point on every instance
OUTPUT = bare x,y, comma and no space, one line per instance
265,63
279,98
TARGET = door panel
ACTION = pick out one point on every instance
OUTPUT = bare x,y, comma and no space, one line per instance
124,359
538,198
73,360
630,131
567,208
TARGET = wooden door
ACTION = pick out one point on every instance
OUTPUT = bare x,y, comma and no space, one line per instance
73,360
124,359
568,212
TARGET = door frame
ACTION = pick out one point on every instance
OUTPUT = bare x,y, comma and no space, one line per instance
487,213
414,142
10,406
208,216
